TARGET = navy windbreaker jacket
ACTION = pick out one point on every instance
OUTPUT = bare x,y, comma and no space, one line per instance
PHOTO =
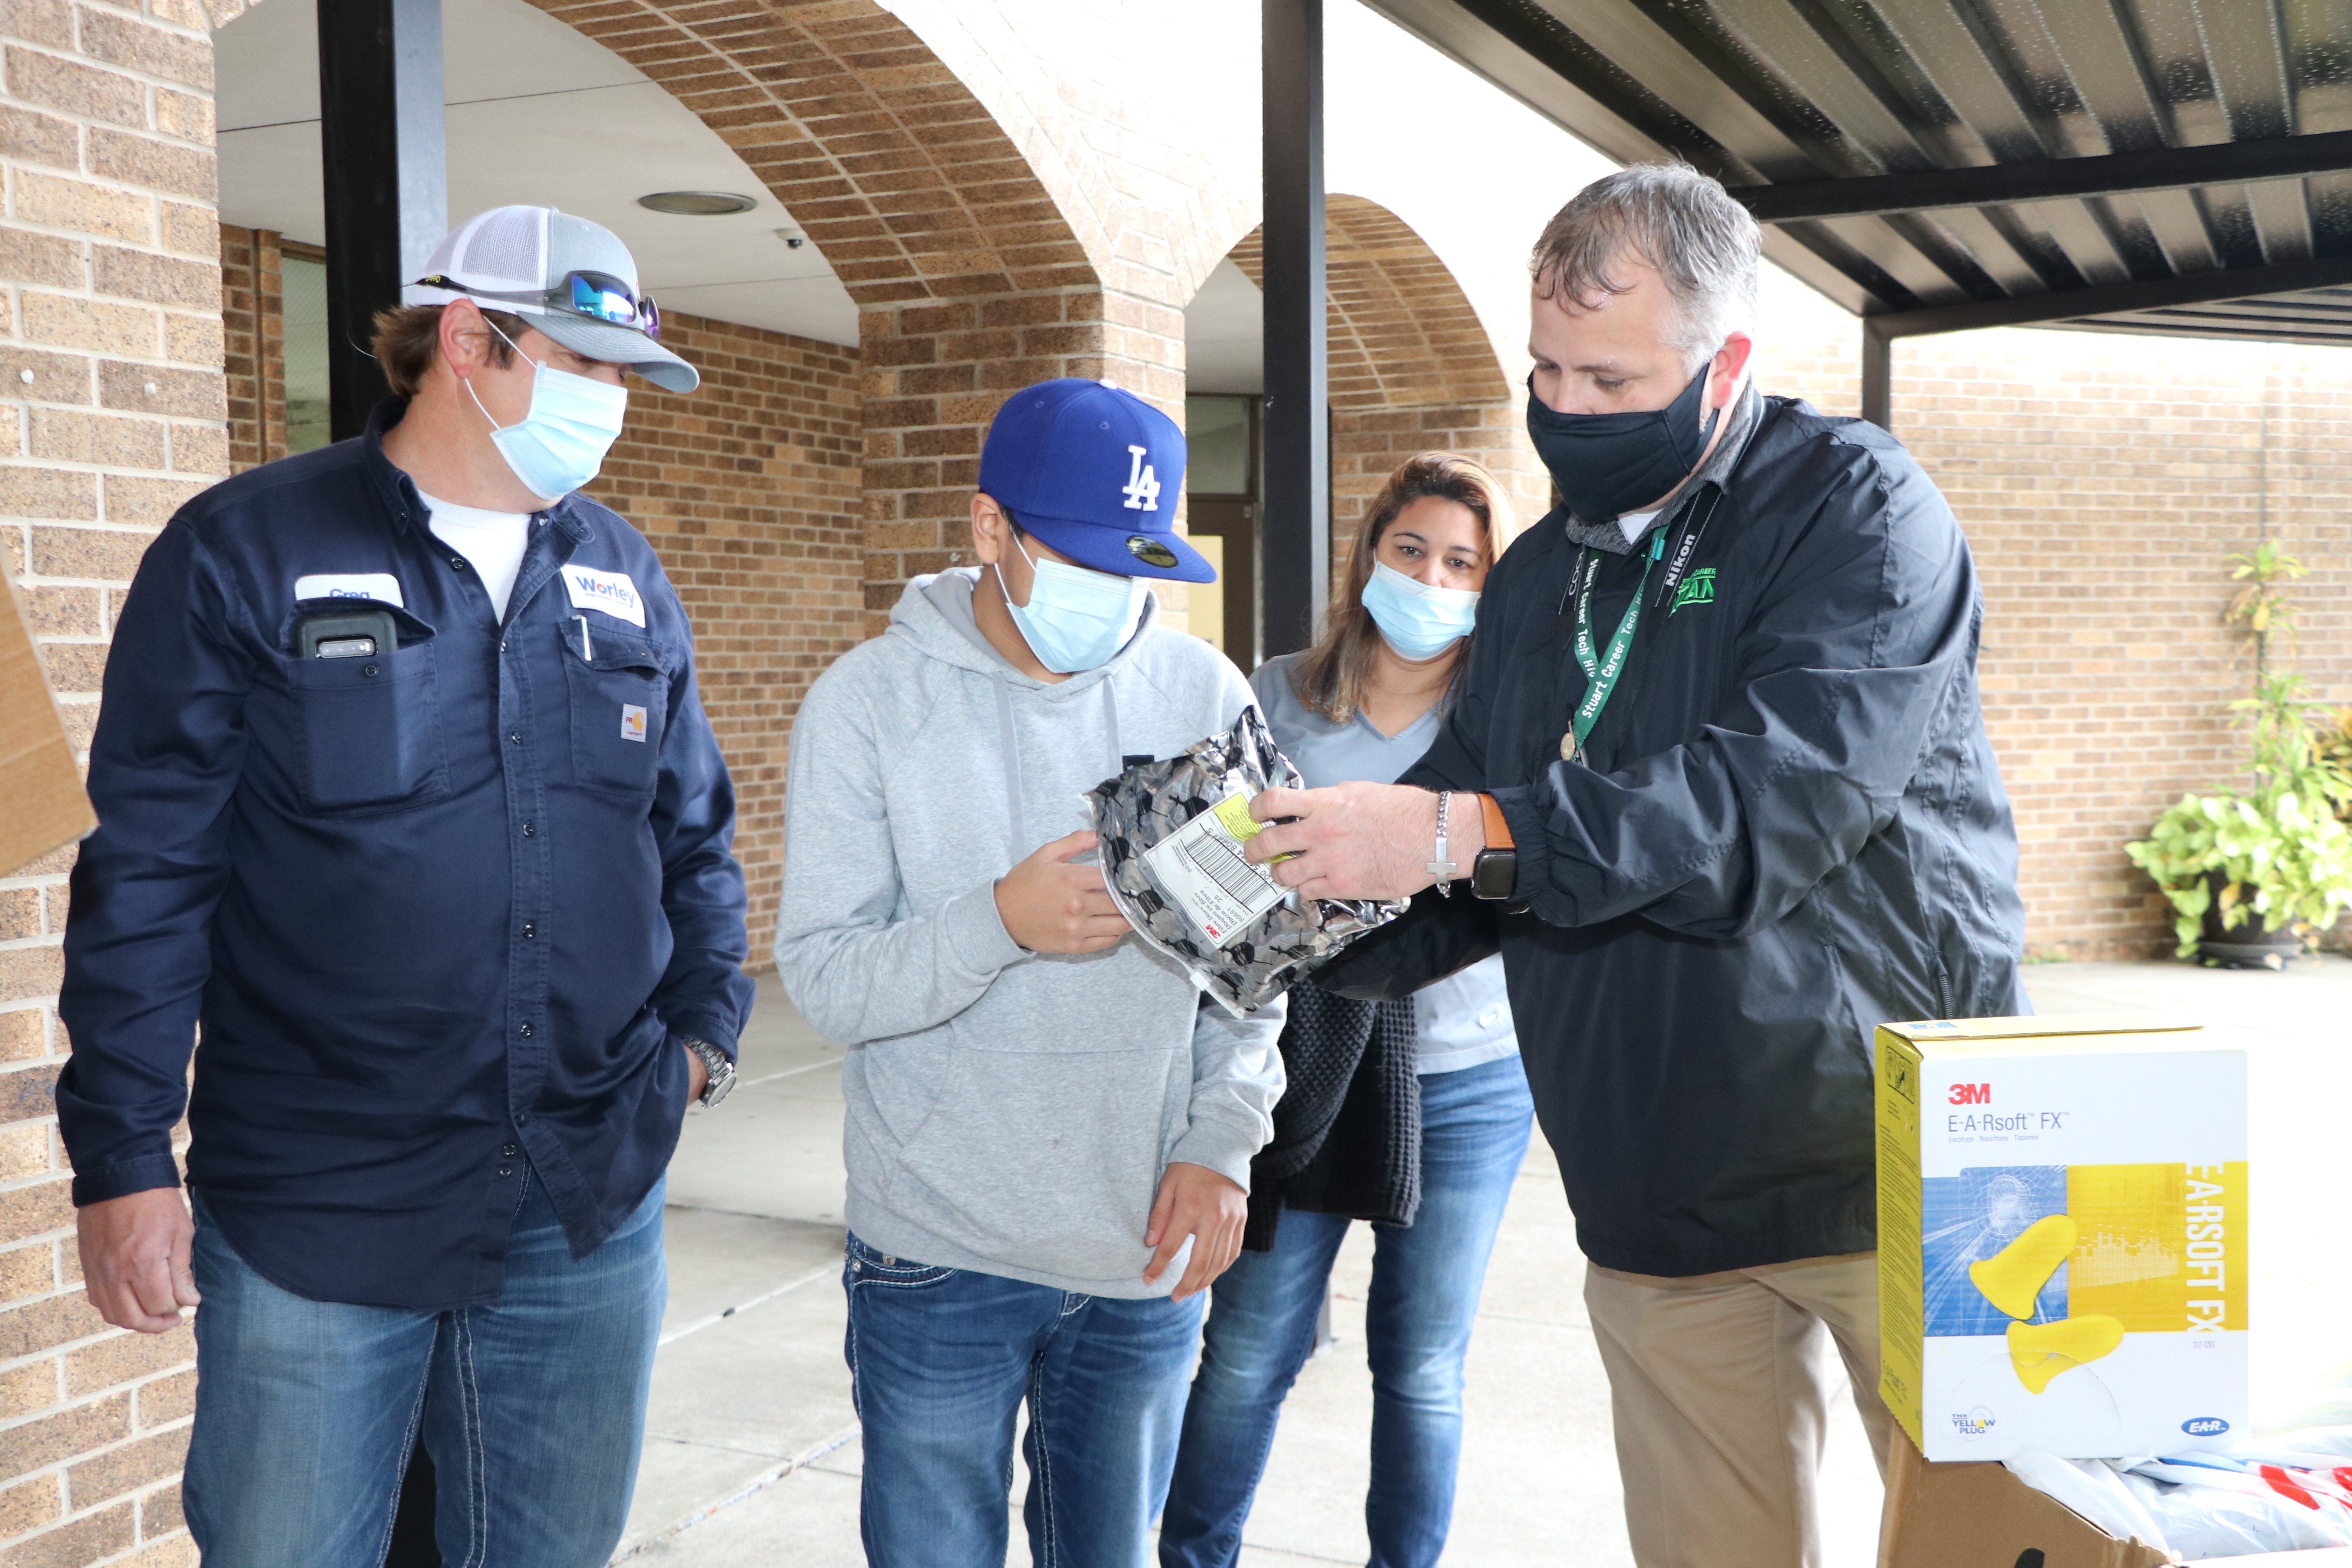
441,912
1791,830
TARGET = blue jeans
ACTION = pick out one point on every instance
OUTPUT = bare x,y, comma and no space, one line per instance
939,1361
1425,1282
534,1408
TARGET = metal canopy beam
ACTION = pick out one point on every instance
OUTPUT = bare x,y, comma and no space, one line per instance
386,180
1295,532
2050,179
2115,299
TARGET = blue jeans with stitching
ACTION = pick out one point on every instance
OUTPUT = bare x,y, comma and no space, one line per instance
532,1407
1426,1278
941,1360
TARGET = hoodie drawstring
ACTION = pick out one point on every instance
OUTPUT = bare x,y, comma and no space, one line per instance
1110,731
1013,805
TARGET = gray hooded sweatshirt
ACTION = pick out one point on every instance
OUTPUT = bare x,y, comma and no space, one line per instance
1010,1112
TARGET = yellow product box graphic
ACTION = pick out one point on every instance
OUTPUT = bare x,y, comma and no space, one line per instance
2062,1219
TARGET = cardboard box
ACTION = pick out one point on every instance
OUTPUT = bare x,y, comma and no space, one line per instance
2062,1213
39,777
1980,1516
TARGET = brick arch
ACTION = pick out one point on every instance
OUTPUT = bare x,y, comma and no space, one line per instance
903,179
1412,367
962,212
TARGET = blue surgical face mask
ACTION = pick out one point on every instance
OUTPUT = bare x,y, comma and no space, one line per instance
1417,620
561,443
1076,618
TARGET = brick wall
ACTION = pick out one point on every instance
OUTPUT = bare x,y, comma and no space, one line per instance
750,489
2102,479
253,348
110,412
949,222
934,373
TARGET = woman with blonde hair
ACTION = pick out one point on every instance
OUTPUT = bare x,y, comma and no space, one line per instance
1412,1114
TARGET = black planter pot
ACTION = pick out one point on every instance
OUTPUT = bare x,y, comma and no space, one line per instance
2248,946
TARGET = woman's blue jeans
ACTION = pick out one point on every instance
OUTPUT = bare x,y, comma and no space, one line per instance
533,1406
1426,1278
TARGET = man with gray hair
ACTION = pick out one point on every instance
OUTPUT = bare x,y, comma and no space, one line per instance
1719,784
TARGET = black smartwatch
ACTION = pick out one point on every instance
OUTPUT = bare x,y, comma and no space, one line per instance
1496,873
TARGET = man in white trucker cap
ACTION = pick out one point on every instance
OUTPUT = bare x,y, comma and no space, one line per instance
575,279
410,804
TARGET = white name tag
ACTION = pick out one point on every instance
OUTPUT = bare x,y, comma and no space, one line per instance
380,586
611,592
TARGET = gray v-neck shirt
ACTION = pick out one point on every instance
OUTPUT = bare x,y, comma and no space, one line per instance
1463,1020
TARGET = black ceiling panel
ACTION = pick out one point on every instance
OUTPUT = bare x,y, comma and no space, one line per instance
1808,95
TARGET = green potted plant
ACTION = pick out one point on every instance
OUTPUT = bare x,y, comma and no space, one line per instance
2255,874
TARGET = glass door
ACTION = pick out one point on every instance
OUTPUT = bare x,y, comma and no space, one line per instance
1221,481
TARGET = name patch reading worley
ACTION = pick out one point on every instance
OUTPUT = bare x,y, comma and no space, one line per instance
380,586
611,592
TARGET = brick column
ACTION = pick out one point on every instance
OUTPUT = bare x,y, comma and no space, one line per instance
1412,370
111,414
935,373
253,345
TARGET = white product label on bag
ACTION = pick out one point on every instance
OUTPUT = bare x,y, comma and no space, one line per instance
1201,866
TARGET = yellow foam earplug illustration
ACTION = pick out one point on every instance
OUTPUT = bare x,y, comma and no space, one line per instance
2012,1278
2040,1352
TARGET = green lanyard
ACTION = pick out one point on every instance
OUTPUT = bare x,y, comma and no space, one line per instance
1601,670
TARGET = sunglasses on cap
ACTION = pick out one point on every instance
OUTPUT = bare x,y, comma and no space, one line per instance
599,296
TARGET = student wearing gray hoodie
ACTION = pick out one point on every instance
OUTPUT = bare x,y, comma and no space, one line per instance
1049,1134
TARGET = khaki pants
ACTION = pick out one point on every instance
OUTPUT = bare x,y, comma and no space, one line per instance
1720,1388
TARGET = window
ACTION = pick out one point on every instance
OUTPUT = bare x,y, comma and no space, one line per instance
303,318
1217,439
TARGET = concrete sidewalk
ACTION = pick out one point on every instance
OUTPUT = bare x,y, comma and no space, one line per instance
752,1451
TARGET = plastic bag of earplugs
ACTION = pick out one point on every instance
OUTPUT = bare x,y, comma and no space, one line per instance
1171,835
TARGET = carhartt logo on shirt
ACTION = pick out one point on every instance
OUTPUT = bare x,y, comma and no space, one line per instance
611,592
1698,588
633,723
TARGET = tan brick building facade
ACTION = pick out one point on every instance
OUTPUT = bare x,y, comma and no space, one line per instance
110,413
995,224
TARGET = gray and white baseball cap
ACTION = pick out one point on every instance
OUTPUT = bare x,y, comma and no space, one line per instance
574,278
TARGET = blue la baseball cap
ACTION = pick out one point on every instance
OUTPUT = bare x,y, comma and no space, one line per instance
1092,471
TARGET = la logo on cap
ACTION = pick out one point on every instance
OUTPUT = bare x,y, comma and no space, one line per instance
1141,489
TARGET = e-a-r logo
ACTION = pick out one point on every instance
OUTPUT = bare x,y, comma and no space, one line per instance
1971,1094
1143,486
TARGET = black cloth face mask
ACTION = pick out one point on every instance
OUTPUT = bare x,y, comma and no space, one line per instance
1607,464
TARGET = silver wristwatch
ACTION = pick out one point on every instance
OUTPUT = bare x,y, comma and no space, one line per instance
722,1071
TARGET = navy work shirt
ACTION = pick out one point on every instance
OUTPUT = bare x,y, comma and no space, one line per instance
442,911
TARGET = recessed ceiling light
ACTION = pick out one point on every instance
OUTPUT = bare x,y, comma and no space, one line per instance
698,204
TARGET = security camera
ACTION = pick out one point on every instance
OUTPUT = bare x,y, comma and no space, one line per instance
793,239
795,242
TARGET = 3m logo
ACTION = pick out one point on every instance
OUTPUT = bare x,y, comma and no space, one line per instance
1971,1094
1698,588
1143,486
